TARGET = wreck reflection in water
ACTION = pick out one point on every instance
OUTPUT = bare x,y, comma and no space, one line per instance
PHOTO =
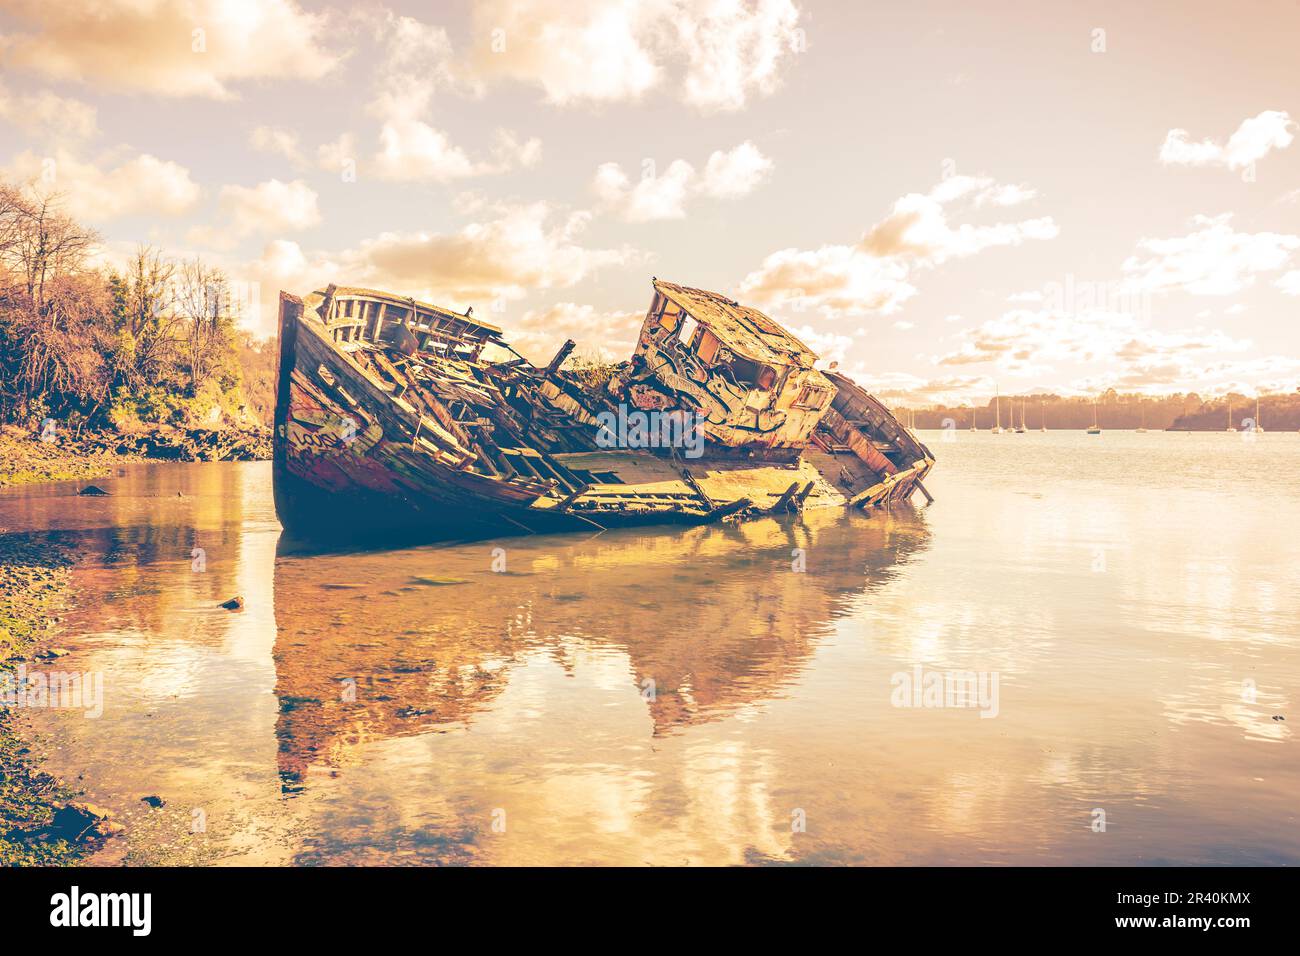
551,699
698,623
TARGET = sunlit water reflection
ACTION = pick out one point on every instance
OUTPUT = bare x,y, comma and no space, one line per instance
686,695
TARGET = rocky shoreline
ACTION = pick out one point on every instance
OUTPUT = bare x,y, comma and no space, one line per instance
41,824
26,458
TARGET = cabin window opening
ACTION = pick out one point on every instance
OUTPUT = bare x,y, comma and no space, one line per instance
746,371
812,397
689,325
708,348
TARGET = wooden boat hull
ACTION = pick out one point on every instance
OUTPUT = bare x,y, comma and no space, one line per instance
354,460
341,471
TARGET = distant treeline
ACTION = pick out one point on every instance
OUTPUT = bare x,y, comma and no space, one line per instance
92,347
1179,412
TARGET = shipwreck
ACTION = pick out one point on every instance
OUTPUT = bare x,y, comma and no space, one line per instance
398,416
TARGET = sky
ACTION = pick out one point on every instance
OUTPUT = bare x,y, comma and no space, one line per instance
942,197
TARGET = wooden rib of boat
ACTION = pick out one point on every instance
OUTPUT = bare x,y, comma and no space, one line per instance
398,416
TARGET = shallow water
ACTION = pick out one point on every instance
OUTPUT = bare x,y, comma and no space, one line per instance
687,695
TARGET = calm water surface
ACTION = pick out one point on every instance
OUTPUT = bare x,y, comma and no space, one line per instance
686,696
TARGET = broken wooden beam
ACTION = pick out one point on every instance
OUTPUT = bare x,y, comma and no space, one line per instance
727,510
803,495
695,487
783,503
565,349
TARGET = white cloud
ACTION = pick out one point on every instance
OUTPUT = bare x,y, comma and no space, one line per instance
657,196
654,197
277,141
1254,138
719,52
735,49
1030,342
835,280
487,263
904,388
876,274
97,193
416,61
827,346
269,207
1290,283
735,173
538,333
1215,376
523,248
336,154
578,51
1213,259
1035,342
167,47
1009,194
982,191
48,117
918,226
412,150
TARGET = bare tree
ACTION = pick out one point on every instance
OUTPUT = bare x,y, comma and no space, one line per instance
148,316
40,243
203,302
50,305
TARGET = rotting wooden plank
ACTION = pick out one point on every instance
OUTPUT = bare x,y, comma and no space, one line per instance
727,510
695,486
783,502
803,495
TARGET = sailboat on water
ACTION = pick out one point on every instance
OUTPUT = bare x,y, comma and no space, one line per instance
1019,429
1259,422
997,399
1230,428
1095,428
1042,411
1143,426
